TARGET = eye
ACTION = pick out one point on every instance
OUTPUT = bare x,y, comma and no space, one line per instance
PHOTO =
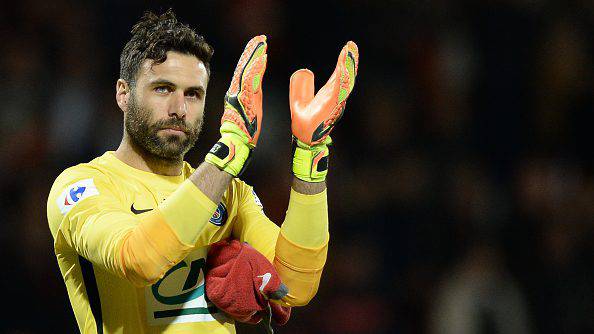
194,94
162,89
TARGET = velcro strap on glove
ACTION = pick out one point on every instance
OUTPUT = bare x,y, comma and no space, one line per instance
310,163
231,153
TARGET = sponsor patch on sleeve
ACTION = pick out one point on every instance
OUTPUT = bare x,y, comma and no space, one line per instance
75,193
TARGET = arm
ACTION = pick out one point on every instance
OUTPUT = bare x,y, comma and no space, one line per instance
141,248
166,235
308,188
306,222
88,213
302,244
211,181
300,247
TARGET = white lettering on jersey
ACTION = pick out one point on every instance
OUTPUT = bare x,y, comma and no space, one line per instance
257,199
75,193
179,297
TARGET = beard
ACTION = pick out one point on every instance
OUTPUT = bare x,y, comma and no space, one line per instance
145,135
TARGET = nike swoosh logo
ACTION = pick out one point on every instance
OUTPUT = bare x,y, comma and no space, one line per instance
265,279
137,212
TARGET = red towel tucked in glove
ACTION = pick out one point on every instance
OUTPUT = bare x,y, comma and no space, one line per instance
240,280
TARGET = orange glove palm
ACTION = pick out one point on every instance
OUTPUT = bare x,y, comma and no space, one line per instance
314,116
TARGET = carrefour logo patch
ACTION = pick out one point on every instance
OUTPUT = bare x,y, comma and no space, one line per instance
75,193
220,216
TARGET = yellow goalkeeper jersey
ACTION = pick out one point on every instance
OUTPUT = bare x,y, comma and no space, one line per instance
94,212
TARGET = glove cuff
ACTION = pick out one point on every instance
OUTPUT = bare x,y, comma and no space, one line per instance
310,163
232,152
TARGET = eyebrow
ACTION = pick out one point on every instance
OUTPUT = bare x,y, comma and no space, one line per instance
166,82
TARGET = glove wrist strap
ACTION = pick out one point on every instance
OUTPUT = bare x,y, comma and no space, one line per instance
230,154
310,163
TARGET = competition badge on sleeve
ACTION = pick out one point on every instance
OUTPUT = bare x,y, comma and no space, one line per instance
75,193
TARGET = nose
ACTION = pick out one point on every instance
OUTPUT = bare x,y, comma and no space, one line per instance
178,107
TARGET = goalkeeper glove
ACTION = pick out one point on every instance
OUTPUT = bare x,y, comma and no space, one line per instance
313,117
240,124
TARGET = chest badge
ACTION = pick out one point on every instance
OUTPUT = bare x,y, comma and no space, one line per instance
220,216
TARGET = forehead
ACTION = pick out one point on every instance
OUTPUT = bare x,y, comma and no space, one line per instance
180,69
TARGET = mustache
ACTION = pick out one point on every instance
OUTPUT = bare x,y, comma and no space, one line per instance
173,122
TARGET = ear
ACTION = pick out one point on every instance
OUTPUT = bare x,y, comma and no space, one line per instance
123,92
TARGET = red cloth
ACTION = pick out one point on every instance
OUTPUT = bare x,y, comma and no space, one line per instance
235,282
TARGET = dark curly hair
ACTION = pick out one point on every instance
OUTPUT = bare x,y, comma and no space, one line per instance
153,36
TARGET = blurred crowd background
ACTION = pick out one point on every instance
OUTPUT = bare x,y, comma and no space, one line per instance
461,183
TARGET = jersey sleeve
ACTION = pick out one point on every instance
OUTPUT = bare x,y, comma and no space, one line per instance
298,257
252,224
86,210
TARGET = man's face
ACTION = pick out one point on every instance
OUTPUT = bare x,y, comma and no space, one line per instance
166,106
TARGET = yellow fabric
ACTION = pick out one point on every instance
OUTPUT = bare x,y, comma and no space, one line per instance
151,249
103,230
300,268
306,223
101,227
187,211
252,225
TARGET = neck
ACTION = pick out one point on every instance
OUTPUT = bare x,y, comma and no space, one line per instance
135,156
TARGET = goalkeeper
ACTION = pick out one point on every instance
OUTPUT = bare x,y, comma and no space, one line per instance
132,228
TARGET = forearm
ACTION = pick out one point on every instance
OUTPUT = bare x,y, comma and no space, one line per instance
302,244
308,188
211,181
190,207
306,222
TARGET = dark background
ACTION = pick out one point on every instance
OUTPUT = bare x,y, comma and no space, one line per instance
461,184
